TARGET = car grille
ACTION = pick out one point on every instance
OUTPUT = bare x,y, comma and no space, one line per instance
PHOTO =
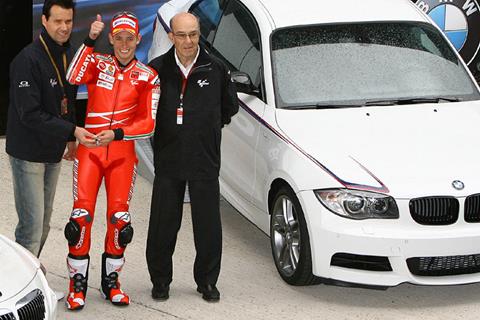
8,316
32,306
434,210
472,208
444,266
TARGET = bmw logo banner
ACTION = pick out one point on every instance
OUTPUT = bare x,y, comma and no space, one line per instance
460,21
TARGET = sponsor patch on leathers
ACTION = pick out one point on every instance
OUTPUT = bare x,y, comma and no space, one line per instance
104,84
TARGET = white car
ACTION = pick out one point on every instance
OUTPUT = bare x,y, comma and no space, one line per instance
355,147
24,291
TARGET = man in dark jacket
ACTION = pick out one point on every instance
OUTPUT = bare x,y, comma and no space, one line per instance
197,99
40,122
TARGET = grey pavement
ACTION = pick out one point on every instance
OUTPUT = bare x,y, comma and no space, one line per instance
249,284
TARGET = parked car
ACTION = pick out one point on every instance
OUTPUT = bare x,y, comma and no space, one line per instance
24,291
355,144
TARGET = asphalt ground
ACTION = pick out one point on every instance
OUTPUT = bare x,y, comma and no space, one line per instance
249,284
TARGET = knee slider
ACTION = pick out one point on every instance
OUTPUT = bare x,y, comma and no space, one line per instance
126,235
72,232
122,220
73,229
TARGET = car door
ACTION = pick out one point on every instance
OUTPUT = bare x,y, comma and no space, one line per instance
237,42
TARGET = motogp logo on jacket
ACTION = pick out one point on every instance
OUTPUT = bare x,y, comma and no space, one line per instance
202,83
459,20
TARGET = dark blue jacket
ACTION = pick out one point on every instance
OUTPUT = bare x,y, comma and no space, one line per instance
36,130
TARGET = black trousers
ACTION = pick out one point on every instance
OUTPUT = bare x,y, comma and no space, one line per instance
165,221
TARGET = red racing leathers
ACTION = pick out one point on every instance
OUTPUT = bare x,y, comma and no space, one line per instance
123,99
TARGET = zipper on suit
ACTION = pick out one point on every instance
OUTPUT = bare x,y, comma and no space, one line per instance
119,81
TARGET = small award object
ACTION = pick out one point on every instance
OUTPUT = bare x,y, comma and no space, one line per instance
64,106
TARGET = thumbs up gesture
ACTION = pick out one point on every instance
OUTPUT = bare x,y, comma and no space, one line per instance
96,28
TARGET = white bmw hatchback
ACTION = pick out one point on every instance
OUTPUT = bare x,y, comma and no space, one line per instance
355,147
24,291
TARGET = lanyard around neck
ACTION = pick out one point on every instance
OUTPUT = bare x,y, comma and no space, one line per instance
64,58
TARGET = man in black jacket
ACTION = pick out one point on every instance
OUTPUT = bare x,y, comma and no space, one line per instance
40,122
197,99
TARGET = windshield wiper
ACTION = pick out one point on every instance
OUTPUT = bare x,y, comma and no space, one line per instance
324,106
389,102
410,101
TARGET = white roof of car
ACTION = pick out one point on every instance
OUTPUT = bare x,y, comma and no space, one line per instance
299,12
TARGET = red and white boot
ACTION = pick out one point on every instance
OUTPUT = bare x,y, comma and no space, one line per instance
110,289
78,273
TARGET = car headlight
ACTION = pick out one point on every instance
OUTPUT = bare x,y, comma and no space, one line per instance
355,204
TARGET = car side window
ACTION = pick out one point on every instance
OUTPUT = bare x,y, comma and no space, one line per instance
237,41
209,13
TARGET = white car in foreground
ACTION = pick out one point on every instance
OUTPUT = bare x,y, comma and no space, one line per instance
356,144
24,291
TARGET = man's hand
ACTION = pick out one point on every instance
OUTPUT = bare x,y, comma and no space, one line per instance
71,151
105,137
96,28
84,137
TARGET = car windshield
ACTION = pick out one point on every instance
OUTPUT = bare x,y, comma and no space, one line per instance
357,64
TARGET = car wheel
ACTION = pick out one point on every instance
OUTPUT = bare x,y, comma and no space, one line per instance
289,239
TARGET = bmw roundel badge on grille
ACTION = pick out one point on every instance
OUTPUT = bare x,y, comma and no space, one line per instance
458,185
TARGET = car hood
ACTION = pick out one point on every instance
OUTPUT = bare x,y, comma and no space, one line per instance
407,151
17,268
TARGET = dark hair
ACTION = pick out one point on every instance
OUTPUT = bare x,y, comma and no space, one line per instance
65,4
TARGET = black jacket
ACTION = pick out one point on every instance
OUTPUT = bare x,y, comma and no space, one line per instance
36,130
191,151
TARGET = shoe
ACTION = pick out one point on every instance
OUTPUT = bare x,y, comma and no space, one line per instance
110,290
110,286
77,289
160,292
116,296
209,292
75,301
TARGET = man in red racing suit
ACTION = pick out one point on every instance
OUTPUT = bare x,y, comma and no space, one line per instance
123,95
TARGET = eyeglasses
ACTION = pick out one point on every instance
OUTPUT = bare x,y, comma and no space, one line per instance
126,13
183,36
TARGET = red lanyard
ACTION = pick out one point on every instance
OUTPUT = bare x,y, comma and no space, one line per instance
184,85
182,94
180,106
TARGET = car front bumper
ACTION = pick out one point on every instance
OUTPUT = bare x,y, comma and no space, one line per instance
396,239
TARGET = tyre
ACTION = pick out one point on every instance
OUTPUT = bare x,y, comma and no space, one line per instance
289,239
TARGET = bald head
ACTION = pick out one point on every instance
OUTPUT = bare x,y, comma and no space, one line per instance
185,35
184,20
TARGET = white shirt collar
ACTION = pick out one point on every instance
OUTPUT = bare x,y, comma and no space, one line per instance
186,70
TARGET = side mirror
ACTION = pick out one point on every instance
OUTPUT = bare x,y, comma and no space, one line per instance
244,83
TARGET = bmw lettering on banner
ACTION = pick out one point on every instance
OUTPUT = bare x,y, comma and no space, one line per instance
460,21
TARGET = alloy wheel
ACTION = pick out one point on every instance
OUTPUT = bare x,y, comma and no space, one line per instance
285,235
